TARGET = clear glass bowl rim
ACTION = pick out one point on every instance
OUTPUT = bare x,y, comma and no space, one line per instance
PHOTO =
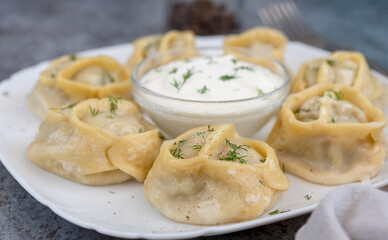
141,87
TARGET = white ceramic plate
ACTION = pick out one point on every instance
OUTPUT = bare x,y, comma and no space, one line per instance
121,210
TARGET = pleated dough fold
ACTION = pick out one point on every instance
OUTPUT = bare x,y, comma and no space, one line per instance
96,142
267,41
210,175
330,134
341,67
70,79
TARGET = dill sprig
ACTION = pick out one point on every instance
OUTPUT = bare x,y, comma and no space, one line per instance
243,68
200,133
227,77
308,197
332,120
210,129
94,111
331,62
178,85
176,152
173,71
297,111
259,91
196,146
66,107
234,155
73,57
261,181
113,103
234,61
108,78
277,212
337,95
203,90
210,60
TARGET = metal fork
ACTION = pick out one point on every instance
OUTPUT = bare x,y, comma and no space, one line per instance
284,15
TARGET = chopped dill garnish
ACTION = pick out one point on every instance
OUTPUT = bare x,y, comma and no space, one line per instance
53,75
303,110
308,197
109,116
210,129
210,60
186,76
263,160
203,90
338,95
73,57
227,77
331,62
262,182
149,45
5,93
175,84
187,60
141,130
66,107
162,137
332,120
259,91
277,212
108,78
243,68
176,152
113,103
284,168
234,155
94,111
234,61
173,71
200,133
196,146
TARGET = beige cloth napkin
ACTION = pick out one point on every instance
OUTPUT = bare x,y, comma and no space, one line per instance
352,211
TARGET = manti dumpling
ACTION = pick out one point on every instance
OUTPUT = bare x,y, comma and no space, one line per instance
267,41
150,45
96,142
209,175
330,134
70,79
341,67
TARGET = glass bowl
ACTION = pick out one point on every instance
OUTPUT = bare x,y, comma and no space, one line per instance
174,115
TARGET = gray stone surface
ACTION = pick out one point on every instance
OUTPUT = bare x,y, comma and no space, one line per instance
33,31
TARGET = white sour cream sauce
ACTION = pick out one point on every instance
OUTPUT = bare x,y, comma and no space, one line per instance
211,79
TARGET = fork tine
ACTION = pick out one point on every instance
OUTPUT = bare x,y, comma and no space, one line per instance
286,17
292,11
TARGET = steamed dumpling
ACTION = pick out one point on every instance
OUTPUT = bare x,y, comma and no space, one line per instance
267,41
150,45
330,134
96,142
342,67
209,175
71,79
